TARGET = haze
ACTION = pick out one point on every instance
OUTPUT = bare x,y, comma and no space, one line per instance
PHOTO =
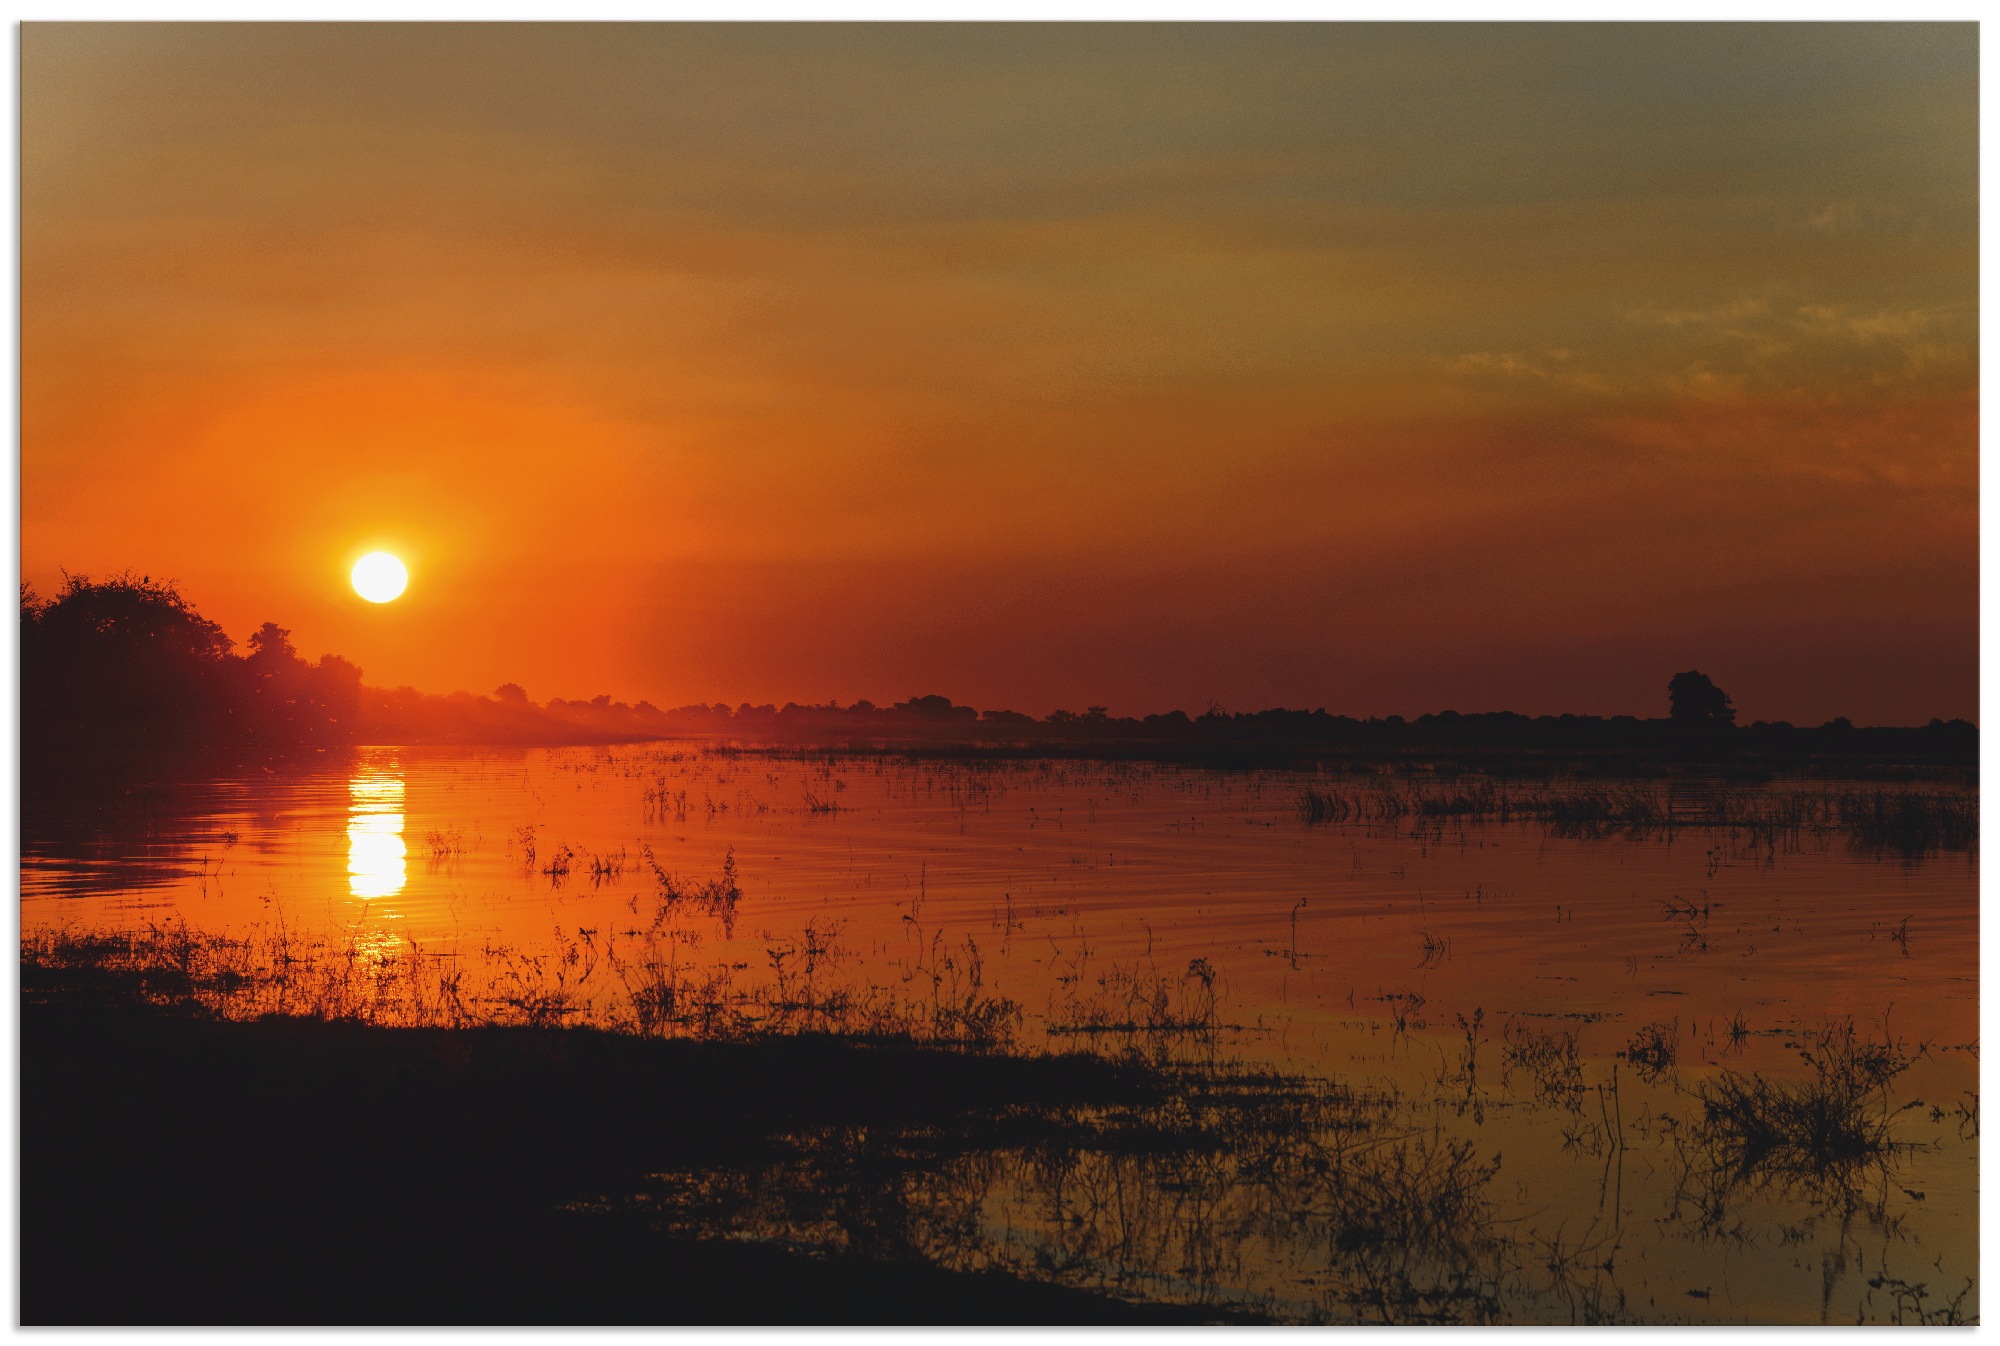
1377,368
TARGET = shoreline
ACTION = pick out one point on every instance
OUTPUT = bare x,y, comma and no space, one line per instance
187,1168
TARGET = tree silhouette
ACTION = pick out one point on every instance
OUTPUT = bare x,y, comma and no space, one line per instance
128,661
1693,698
270,646
129,651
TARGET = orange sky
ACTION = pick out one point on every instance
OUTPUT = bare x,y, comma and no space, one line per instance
1379,368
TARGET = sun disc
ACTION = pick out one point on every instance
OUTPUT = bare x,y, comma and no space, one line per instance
380,577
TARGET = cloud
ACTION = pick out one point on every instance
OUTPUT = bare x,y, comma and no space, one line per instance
1733,315
1883,325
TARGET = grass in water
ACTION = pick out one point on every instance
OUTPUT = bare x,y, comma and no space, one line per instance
1838,1117
1908,822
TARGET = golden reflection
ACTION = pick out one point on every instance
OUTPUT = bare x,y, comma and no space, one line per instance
375,852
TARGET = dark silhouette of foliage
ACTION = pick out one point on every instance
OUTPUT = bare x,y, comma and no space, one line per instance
127,663
291,699
128,656
1693,698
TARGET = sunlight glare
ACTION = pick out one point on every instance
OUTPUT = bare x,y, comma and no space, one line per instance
376,864
380,577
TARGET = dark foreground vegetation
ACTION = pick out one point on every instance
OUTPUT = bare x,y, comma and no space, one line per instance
402,1153
127,665
182,1168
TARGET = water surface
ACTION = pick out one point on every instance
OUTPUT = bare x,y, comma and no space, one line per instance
1121,906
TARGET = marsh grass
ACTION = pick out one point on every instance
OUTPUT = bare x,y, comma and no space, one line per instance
653,982
1180,1186
1206,1184
1654,1048
1910,1303
607,867
655,979
1136,998
1825,1143
1910,822
961,1010
1212,1186
276,971
1387,1224
1837,1118
717,896
1192,1181
1551,1060
558,867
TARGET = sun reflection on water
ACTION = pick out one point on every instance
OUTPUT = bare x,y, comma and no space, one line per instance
376,856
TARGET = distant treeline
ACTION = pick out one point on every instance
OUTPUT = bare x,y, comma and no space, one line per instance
128,661
935,720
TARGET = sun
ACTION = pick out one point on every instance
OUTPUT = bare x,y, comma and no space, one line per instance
380,577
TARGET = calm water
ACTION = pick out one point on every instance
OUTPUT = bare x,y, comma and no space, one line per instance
1109,901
